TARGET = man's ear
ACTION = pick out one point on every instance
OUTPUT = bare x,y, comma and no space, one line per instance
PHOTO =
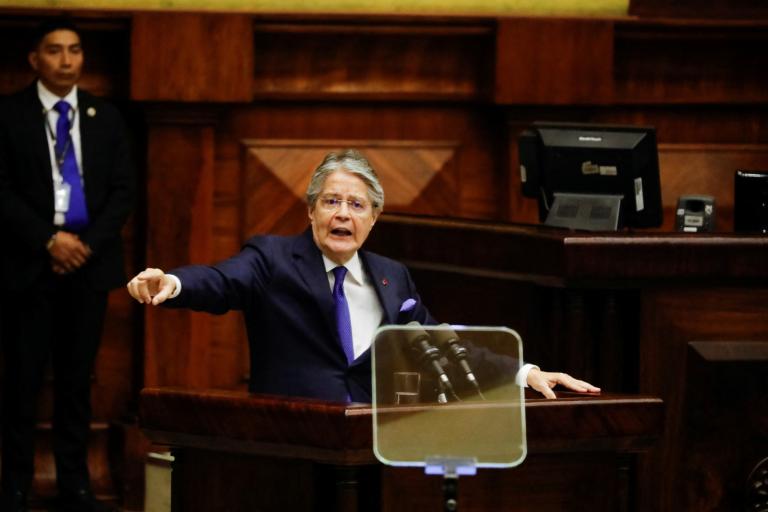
32,59
311,214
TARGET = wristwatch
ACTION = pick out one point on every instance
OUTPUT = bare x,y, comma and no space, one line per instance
50,242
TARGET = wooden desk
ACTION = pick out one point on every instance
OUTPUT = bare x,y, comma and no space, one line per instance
237,451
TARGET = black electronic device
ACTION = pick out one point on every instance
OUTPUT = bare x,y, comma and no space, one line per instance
750,202
695,214
605,177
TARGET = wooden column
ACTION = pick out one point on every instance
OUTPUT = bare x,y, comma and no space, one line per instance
180,230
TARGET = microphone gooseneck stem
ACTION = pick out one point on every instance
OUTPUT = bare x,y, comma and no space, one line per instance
458,353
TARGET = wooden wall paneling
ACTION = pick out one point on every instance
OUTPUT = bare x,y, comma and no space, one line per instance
711,124
670,318
705,169
465,183
682,61
229,346
278,173
554,61
373,58
191,57
180,186
725,403
15,40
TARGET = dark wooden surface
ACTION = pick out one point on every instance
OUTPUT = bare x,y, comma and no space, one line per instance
725,398
296,446
558,257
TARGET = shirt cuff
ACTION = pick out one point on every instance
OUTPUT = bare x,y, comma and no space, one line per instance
177,290
521,379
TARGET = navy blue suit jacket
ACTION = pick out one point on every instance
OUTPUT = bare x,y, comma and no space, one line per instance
282,288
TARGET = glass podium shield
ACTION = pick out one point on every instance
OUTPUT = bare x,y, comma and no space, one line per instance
445,398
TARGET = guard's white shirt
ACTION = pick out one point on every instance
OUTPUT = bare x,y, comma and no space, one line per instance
51,117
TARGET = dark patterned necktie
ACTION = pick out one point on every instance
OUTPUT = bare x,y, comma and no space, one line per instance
76,217
343,322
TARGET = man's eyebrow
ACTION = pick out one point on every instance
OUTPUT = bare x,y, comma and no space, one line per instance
57,46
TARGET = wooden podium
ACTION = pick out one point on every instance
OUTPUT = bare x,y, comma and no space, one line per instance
236,451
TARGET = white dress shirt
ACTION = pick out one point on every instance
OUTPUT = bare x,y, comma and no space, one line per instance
365,309
51,117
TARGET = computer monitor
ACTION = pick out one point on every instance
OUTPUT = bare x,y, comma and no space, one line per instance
592,176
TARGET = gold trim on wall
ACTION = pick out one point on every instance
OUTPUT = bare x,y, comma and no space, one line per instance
448,7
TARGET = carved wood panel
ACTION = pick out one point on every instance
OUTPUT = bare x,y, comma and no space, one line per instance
417,176
358,58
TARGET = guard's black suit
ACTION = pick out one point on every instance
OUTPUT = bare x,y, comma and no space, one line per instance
45,315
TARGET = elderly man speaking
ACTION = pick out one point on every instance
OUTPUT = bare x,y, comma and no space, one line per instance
313,301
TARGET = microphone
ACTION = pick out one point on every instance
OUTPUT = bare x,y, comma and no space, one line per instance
447,339
429,356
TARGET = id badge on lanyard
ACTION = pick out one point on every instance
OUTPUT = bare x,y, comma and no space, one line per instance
61,195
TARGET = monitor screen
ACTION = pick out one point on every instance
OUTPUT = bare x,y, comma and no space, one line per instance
594,161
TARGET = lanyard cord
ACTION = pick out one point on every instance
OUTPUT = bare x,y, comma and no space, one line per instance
60,156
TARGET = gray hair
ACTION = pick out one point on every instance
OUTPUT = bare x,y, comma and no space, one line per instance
353,162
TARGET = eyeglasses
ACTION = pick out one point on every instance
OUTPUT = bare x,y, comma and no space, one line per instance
332,204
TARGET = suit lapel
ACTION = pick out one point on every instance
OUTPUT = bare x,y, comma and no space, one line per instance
382,283
88,124
34,124
309,264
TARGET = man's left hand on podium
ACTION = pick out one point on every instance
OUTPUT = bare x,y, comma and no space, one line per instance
543,382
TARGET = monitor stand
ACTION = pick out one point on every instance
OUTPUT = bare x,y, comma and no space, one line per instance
591,212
